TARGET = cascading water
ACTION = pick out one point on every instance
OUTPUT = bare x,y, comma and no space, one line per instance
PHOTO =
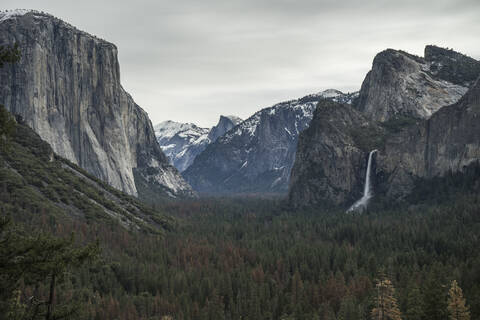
361,204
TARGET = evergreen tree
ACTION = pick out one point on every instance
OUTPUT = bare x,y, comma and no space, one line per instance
9,54
349,309
414,307
434,296
40,262
386,307
457,308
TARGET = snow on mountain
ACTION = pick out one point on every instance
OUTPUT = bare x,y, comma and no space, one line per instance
258,154
8,14
182,142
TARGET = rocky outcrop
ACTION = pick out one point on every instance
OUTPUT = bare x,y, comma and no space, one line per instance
225,124
182,142
452,66
332,154
257,155
448,141
67,88
401,84
328,164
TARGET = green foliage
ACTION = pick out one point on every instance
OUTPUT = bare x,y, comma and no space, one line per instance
398,123
448,187
414,307
9,54
33,180
368,137
249,259
36,261
7,127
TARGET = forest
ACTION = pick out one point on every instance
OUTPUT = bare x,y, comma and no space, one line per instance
227,258
254,259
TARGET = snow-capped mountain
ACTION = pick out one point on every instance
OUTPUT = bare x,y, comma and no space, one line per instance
257,155
182,142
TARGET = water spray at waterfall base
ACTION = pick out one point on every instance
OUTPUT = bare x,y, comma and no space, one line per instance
361,204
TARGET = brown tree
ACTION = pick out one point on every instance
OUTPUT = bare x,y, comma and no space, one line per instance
457,308
386,307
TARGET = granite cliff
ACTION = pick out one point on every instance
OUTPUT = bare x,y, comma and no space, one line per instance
67,88
417,138
401,84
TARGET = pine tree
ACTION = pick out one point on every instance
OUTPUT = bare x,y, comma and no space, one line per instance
386,307
9,54
457,308
349,309
40,260
414,308
434,296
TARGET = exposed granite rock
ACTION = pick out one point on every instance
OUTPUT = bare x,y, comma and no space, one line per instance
257,155
448,141
401,84
67,88
225,124
330,163
182,142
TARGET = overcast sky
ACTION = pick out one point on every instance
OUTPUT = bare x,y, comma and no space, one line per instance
193,60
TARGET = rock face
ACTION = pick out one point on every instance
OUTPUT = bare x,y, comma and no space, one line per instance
331,160
257,155
225,124
401,84
67,88
328,164
448,141
182,142
412,144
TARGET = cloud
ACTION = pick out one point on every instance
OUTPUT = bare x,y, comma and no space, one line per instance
191,60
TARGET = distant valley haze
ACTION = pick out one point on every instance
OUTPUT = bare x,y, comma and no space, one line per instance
190,61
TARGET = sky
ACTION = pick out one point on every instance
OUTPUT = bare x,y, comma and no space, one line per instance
194,60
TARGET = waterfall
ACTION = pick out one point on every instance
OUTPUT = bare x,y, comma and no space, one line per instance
361,204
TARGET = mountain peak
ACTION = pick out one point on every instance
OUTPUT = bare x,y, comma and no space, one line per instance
403,84
10,14
25,16
225,123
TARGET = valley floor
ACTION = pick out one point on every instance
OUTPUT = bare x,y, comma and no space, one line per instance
253,259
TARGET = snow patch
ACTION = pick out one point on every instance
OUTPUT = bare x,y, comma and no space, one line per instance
9,14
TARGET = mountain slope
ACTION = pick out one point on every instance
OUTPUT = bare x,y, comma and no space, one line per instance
447,142
35,181
182,142
225,124
67,88
331,160
401,84
257,155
